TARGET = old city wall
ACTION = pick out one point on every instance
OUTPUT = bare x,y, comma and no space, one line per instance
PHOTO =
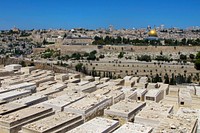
138,69
38,65
68,49
153,49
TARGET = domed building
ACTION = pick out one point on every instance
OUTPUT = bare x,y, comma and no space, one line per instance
153,33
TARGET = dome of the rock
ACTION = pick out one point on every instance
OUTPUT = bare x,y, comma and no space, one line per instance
153,33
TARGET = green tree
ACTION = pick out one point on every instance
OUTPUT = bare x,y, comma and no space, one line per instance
86,54
166,77
121,55
192,56
101,56
197,64
32,64
156,79
47,55
84,70
93,52
184,41
65,35
146,58
23,63
119,40
198,55
44,42
107,40
98,41
172,80
183,57
78,67
96,38
161,52
66,57
189,79
197,61
91,57
76,56
162,58
180,79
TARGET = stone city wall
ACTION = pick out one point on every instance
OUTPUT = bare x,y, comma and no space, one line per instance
129,48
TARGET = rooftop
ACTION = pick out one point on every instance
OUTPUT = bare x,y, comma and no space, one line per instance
152,93
97,125
141,91
133,128
51,122
158,107
86,103
175,124
125,107
23,114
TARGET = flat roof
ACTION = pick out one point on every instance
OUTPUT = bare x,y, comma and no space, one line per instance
127,89
105,79
31,100
153,112
124,107
177,124
133,128
96,125
13,94
143,79
47,92
100,86
43,79
83,83
48,123
102,91
135,78
163,86
173,88
85,104
114,93
184,95
113,87
86,87
88,77
158,107
9,107
118,80
149,118
141,92
20,85
189,112
23,114
152,93
63,100
47,83
127,78
13,65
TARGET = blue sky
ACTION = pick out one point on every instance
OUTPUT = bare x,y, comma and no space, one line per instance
67,14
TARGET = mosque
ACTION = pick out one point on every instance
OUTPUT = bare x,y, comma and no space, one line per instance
152,34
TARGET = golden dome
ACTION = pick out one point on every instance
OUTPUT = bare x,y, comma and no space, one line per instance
153,33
